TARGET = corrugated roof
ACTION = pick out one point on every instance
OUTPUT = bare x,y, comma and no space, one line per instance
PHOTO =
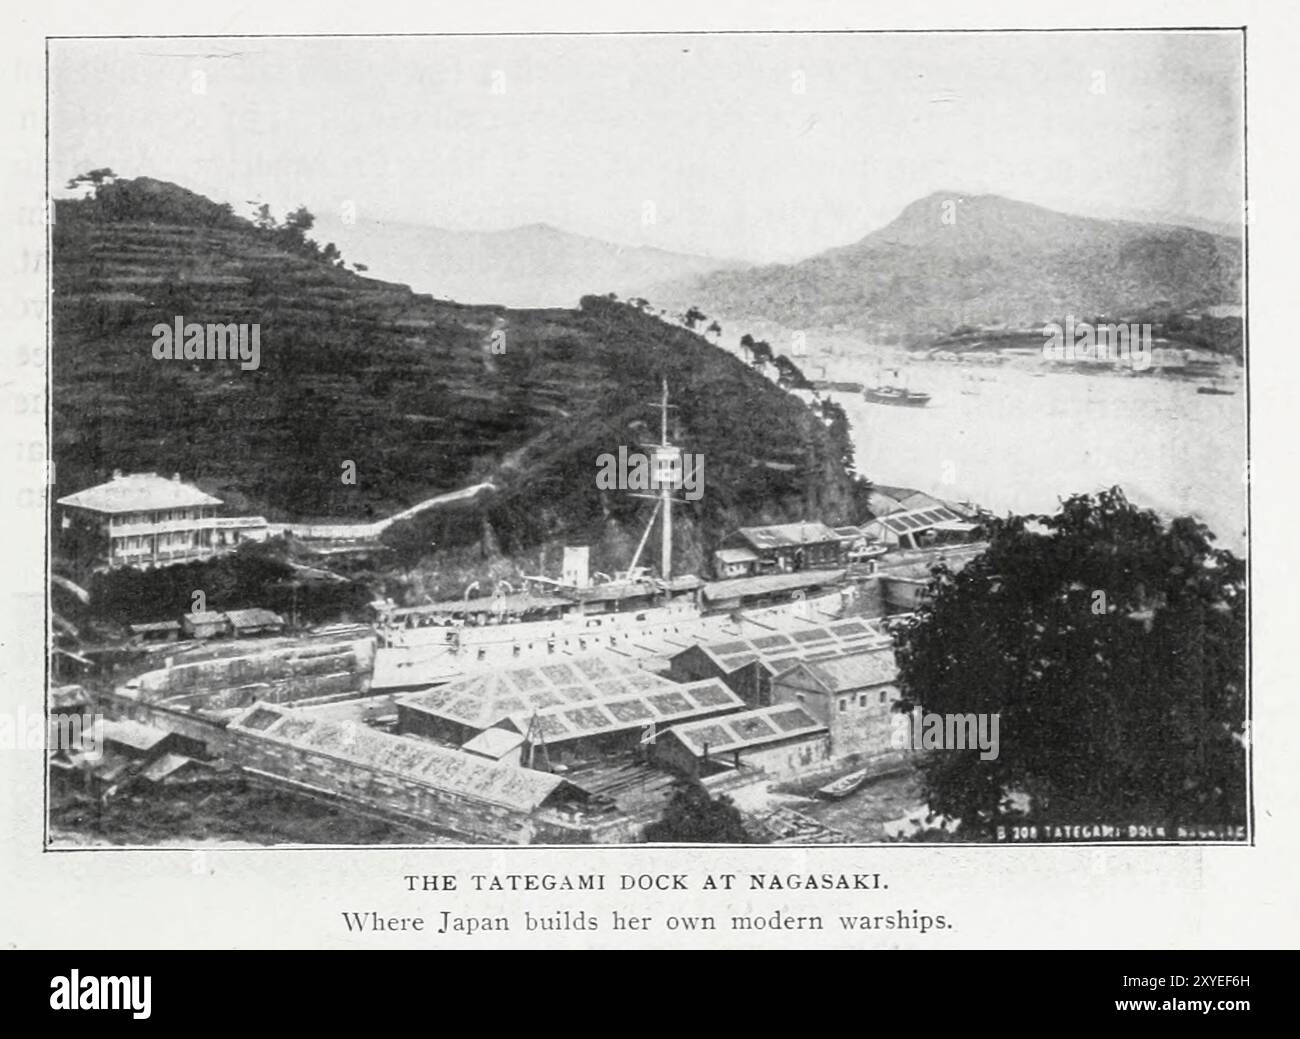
255,618
210,617
769,583
748,729
782,648
138,492
788,535
482,700
917,519
735,555
566,722
853,670
415,760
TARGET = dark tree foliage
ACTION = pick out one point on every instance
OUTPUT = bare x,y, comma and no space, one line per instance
255,575
693,817
791,374
1113,648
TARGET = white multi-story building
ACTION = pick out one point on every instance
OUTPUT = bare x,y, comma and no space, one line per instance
143,519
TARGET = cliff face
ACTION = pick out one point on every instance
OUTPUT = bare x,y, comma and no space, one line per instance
423,396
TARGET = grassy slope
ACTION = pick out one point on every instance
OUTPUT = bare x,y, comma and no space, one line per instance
402,385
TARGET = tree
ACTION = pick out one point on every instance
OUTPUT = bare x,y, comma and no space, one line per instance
692,318
714,328
791,375
693,817
262,217
95,178
1111,647
300,221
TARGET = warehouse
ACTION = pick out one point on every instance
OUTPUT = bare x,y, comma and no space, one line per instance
451,792
747,665
457,712
789,547
779,741
853,695
601,729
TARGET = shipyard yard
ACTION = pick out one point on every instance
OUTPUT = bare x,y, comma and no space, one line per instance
566,712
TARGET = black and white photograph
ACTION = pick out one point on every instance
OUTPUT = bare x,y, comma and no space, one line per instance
679,438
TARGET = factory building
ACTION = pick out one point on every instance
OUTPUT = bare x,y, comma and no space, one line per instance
780,741
852,695
451,792
747,664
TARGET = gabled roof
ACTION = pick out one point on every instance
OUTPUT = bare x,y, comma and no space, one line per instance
785,647
917,519
138,492
487,697
735,555
676,703
850,671
747,729
126,733
415,760
787,535
255,618
494,743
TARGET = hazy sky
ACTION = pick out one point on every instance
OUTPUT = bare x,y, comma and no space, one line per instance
759,147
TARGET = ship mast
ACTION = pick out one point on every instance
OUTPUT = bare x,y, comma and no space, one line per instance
666,476
666,492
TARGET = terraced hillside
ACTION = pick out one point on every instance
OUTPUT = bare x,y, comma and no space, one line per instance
415,391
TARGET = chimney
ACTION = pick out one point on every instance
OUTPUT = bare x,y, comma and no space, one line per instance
176,477
117,474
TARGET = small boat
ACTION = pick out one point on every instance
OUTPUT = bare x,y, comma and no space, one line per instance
843,786
895,393
1217,389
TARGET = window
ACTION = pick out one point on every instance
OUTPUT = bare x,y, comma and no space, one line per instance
844,705
862,700
883,693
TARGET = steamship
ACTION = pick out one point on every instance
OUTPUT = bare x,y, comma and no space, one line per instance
635,614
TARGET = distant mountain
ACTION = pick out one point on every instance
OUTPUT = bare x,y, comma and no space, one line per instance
951,260
537,265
